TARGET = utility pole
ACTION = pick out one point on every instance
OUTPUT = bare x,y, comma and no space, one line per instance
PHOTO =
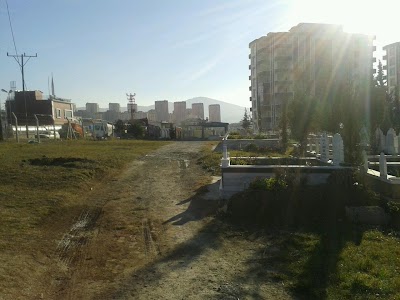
131,103
22,64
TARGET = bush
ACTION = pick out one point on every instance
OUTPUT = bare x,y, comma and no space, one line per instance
251,148
269,184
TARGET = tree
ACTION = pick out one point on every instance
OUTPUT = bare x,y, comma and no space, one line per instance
246,120
119,128
301,114
380,77
283,126
135,129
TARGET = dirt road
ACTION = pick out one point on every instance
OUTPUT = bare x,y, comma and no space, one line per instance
152,234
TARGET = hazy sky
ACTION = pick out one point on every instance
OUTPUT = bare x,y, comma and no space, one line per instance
100,50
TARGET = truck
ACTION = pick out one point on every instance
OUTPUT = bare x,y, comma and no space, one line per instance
102,129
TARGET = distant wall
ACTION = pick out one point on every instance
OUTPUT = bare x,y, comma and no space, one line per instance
241,144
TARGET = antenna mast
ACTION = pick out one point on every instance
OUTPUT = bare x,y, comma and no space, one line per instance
131,104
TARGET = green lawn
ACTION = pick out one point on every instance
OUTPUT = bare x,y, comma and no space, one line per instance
340,263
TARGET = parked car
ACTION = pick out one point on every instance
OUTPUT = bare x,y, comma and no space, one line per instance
48,135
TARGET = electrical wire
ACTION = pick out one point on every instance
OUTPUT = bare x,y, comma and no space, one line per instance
12,31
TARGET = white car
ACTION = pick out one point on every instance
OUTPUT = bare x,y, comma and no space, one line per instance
48,135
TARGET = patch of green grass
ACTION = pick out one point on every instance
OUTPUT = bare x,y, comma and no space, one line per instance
341,263
39,179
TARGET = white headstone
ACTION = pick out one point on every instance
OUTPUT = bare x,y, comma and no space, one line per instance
324,147
390,141
338,149
382,166
225,161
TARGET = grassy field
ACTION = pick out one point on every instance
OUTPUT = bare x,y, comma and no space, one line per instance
41,179
346,262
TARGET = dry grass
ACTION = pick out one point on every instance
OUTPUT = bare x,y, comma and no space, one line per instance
39,180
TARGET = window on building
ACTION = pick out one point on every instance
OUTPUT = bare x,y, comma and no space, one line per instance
58,113
68,114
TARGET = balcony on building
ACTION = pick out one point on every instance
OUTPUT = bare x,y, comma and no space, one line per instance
281,65
373,48
251,109
250,77
250,88
385,57
384,67
249,67
250,99
250,56
374,59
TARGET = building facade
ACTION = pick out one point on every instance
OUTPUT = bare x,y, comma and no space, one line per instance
179,111
214,112
92,108
198,110
162,113
50,111
316,57
392,59
116,107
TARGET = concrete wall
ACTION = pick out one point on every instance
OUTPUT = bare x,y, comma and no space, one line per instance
241,144
237,178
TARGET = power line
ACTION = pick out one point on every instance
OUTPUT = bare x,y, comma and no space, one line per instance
12,31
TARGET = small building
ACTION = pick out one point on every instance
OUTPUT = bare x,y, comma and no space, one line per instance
49,110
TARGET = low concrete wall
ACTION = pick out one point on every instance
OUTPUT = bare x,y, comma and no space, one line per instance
388,187
237,178
241,144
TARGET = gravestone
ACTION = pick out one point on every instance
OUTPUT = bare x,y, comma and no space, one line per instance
338,149
391,137
324,147
382,166
225,161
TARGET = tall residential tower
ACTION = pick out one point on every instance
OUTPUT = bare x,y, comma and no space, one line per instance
317,57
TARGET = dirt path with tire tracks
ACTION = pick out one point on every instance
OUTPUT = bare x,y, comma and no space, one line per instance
152,234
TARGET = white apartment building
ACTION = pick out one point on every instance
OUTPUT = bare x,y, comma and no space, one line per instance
214,112
319,55
392,59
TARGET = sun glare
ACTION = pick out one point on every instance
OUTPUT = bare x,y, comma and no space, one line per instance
356,16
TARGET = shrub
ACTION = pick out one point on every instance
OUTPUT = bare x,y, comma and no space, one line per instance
251,148
269,184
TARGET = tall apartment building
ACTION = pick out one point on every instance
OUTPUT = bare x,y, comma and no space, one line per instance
392,67
214,112
198,110
179,111
116,107
162,114
92,108
316,57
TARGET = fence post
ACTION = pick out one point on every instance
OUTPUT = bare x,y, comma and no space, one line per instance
16,127
37,128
